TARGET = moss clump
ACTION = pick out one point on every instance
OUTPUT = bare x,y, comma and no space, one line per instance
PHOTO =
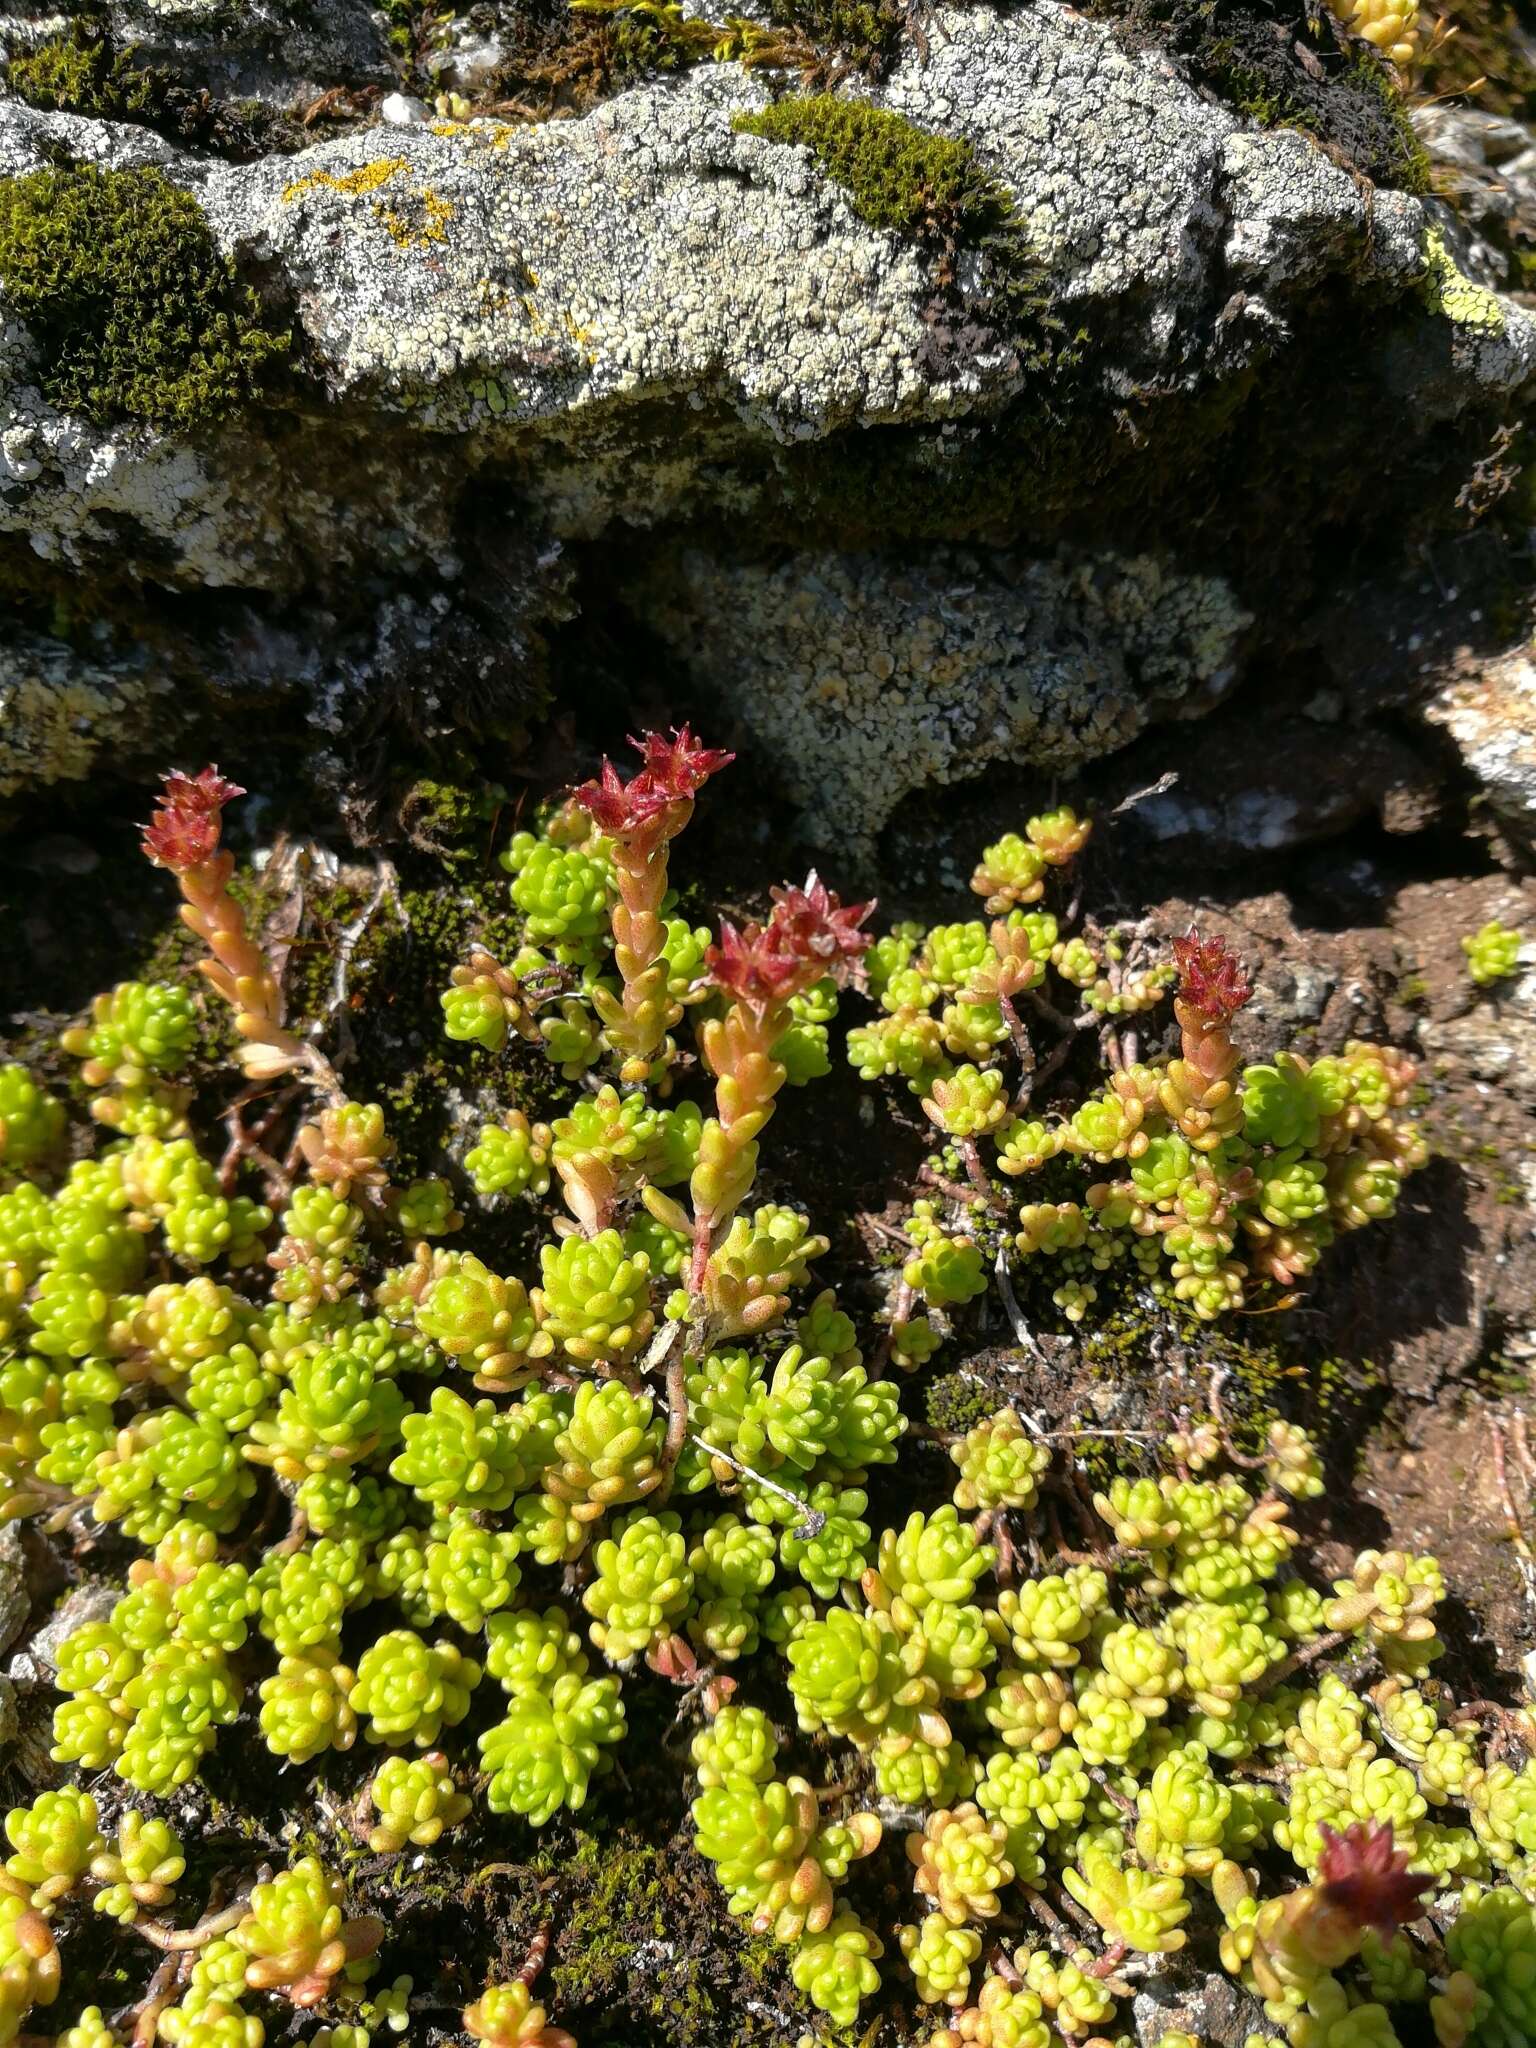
897,176
955,1403
80,73
868,33
136,312
905,180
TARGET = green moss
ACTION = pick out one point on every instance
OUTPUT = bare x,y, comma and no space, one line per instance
897,176
868,33
134,309
451,819
644,1938
1375,81
954,1403
80,73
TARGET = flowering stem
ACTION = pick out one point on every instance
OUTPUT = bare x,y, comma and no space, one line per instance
738,1050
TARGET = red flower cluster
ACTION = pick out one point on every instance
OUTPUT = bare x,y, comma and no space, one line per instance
809,934
675,771
1211,978
1366,1876
184,831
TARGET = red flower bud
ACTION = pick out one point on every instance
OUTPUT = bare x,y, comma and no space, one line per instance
675,771
1365,1875
815,927
751,964
620,808
184,831
808,935
1210,977
679,767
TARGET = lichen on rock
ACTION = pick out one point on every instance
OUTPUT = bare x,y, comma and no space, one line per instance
865,679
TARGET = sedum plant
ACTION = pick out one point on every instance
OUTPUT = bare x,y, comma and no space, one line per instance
1493,952
636,1470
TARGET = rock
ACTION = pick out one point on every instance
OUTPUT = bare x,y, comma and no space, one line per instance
40,1659
1489,710
599,333
403,110
1488,161
262,49
1215,2010
1494,1040
15,1601
58,710
861,686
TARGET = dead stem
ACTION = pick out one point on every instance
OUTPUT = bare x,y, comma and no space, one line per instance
1219,1417
1023,1047
533,1962
1057,1056
1050,1919
677,1419
966,1198
1299,1659
1111,1790
160,1991
976,1174
1021,1330
1107,1963
812,1521
177,1941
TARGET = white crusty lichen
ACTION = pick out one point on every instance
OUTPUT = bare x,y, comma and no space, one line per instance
863,682
58,711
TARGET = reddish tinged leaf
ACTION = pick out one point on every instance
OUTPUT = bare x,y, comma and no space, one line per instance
184,831
1366,1876
815,926
679,767
1211,978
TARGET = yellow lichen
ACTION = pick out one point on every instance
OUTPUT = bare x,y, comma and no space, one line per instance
427,222
419,220
1446,289
366,178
